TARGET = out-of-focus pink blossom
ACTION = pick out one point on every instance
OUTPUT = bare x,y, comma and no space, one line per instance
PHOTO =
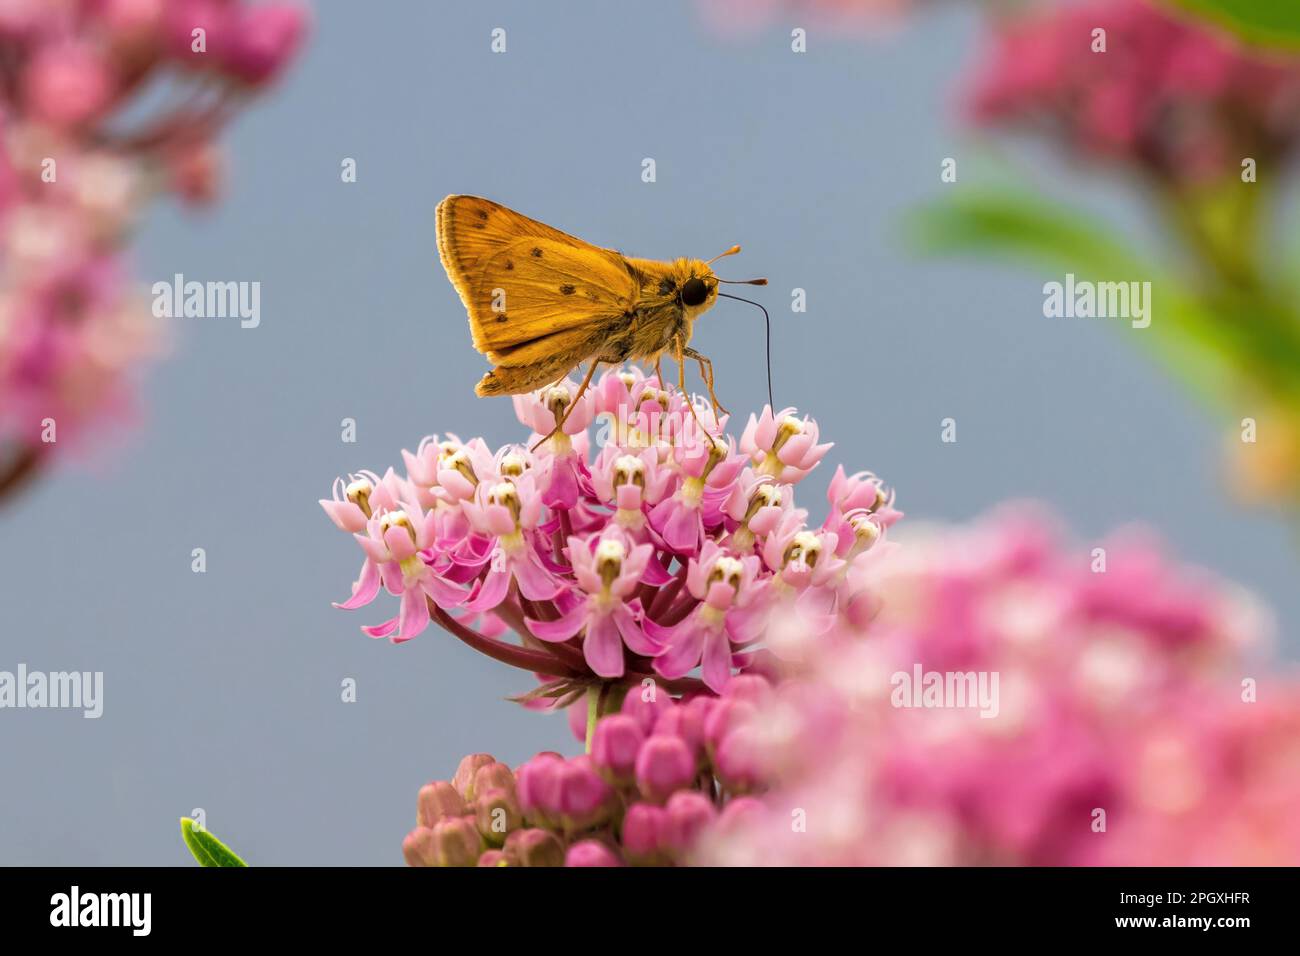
740,17
1013,701
1169,95
67,84
263,40
75,175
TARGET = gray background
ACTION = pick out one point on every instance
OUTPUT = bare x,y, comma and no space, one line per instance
222,689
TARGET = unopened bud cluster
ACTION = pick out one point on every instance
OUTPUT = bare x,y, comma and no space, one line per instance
660,774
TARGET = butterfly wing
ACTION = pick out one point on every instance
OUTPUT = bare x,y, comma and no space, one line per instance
531,291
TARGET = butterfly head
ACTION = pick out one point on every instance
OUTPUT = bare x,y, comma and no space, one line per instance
695,287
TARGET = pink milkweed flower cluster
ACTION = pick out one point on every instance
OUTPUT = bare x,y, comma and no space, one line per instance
1130,723
638,541
76,170
660,773
1174,97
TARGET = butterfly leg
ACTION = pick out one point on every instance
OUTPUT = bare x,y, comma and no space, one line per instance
582,389
679,355
706,372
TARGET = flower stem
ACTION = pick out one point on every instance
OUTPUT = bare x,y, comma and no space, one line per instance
593,711
520,657
15,473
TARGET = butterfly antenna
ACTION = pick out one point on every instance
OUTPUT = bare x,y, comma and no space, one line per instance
767,321
730,252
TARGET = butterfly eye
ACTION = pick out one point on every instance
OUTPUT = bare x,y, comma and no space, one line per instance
694,292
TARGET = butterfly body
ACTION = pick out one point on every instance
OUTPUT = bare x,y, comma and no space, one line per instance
541,302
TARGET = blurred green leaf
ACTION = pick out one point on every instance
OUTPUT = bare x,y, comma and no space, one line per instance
1185,333
1260,21
207,849
1026,226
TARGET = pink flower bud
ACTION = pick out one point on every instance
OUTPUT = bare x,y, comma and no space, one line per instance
725,716
534,848
132,24
184,17
263,40
750,688
67,84
738,761
456,842
496,813
591,853
585,799
437,800
493,776
538,783
688,813
614,746
645,828
418,848
741,812
665,764
494,858
463,780
646,712
686,723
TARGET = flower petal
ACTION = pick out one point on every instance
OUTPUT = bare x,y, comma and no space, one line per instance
445,595
380,630
414,615
684,652
490,593
365,588
717,660
535,583
655,574
561,630
633,636
603,647
681,529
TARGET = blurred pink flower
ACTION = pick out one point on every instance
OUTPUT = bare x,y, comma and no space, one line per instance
74,178
1170,95
66,84
750,16
263,40
1118,730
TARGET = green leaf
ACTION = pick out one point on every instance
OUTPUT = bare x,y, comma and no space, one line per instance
1273,22
207,849
1025,226
1031,228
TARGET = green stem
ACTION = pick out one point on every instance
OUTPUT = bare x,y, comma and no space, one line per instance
593,711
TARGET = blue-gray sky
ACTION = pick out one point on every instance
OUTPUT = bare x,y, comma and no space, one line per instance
222,689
